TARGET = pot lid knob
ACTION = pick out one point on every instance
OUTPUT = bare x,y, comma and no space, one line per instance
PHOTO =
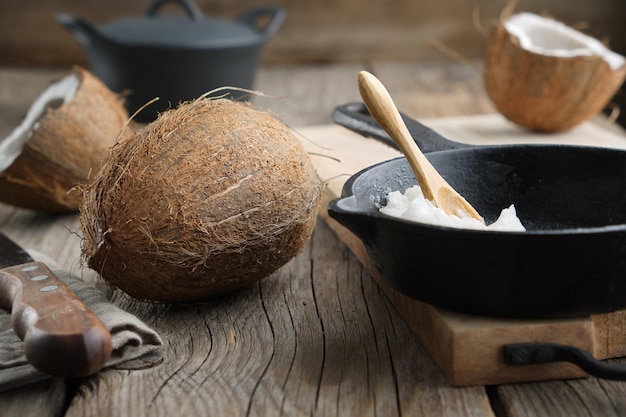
190,7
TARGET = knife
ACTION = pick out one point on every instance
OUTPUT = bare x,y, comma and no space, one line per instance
62,337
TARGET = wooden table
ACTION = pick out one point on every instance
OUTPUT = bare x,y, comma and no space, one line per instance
318,337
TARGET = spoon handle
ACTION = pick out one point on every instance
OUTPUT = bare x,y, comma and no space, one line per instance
384,111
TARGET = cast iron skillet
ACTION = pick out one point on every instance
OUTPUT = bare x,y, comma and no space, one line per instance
571,261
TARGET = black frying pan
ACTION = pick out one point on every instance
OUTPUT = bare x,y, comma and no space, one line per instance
572,200
571,261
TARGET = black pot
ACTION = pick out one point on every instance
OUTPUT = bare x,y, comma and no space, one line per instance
175,58
571,261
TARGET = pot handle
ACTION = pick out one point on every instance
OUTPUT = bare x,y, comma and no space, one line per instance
356,117
538,353
276,16
192,9
84,32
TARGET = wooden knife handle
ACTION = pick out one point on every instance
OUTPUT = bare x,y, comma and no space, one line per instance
62,337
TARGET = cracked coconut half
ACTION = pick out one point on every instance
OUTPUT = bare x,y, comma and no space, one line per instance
546,76
64,136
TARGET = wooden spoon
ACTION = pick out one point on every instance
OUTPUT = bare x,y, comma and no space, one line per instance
434,187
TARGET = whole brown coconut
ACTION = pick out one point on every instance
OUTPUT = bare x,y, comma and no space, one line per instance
548,77
63,138
210,197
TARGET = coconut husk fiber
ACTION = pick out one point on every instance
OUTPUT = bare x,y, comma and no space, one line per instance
66,145
210,197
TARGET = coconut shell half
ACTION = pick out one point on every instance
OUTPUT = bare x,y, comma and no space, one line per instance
63,138
210,197
547,77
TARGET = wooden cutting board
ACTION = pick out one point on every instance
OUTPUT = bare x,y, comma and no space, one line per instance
468,349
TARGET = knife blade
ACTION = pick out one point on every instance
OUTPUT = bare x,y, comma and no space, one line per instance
62,337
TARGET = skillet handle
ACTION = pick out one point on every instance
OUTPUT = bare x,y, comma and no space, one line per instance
537,353
355,117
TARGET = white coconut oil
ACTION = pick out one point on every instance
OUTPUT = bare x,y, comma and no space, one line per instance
411,205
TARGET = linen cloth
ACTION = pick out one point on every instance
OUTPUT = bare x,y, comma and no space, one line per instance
135,345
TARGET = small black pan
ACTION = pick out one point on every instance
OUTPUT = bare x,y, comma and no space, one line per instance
571,261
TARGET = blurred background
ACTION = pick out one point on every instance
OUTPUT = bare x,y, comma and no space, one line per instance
316,31
316,36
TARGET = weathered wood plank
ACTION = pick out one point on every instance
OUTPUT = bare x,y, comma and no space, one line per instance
310,97
316,338
430,90
45,399
574,398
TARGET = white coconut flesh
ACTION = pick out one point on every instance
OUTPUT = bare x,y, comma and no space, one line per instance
55,96
545,36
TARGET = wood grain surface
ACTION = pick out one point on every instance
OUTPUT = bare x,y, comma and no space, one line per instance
318,337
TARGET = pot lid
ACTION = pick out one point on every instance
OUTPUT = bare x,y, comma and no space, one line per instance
193,30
